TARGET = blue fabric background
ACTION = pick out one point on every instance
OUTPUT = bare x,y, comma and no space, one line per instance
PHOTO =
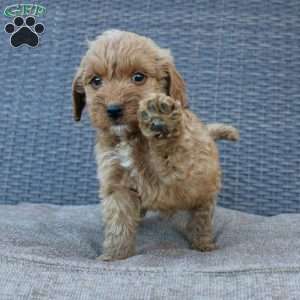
241,62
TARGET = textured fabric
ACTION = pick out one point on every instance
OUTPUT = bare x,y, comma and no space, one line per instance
241,62
48,252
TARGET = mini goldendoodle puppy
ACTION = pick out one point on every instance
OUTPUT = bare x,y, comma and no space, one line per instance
152,152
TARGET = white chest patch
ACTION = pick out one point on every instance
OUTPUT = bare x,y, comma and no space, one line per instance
124,154
121,154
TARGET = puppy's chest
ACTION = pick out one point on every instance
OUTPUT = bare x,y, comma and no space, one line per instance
121,154
141,169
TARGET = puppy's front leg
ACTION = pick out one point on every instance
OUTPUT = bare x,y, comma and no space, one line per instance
160,117
200,228
121,214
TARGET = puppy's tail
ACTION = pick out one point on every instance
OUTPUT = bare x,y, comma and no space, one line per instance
220,131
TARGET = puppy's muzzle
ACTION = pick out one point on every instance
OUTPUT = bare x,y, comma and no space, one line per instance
114,111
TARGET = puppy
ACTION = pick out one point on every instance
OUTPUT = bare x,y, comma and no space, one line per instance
152,152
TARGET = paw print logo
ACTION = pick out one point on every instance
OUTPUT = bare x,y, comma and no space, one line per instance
24,32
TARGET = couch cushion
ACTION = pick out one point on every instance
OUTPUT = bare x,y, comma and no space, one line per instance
48,252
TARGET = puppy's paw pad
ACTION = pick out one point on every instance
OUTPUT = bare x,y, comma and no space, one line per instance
152,105
159,115
144,115
159,104
166,105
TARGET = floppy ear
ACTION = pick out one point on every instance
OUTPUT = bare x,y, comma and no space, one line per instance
176,85
78,94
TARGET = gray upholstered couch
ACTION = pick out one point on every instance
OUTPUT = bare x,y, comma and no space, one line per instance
241,62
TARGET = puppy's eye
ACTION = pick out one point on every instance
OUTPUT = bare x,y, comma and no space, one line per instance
96,82
138,78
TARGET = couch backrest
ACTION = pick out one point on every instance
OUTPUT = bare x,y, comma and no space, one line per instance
241,62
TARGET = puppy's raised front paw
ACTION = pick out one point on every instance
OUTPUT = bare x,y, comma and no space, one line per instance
159,116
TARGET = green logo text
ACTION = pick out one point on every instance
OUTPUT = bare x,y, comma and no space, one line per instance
24,10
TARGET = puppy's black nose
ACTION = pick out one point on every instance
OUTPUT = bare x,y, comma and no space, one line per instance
114,111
